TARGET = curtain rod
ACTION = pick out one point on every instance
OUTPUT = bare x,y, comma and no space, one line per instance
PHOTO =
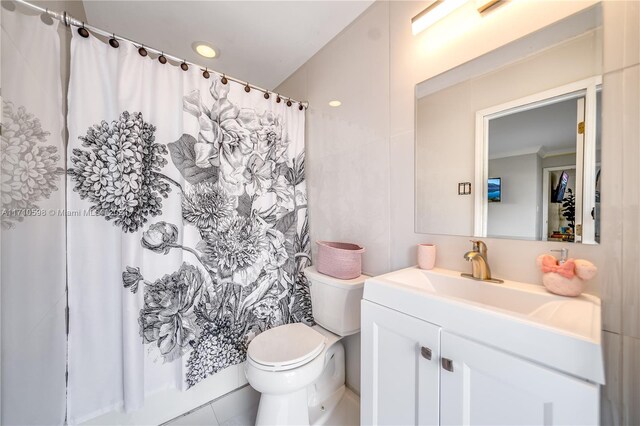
69,20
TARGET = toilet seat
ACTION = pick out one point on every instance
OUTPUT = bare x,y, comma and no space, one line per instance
285,347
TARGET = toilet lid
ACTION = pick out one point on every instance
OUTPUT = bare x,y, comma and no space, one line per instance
285,345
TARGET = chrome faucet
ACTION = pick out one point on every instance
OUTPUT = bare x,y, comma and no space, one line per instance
564,255
479,263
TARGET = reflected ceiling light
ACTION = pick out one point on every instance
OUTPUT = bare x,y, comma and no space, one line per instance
335,103
204,49
432,14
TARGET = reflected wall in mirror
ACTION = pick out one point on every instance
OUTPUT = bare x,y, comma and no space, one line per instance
522,123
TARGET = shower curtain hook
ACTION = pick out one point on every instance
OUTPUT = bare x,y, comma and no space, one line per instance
184,65
224,79
46,17
83,31
266,94
247,88
113,42
162,59
142,51
206,74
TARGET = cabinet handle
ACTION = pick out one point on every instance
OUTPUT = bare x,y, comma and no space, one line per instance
447,364
425,352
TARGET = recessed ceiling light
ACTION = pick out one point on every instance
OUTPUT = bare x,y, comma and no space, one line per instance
335,103
204,49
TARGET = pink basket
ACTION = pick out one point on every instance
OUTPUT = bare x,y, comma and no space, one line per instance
339,260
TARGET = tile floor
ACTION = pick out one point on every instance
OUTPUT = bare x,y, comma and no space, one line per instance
237,408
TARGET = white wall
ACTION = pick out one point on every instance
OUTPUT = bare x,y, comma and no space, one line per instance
358,56
347,159
516,215
559,160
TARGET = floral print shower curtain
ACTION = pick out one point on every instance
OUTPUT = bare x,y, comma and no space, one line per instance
188,232
32,223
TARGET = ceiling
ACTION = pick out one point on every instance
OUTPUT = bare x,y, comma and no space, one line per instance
547,130
262,42
552,128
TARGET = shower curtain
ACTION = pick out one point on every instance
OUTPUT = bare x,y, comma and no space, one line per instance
187,232
33,223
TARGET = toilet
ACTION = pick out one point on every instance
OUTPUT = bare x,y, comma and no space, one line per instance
300,370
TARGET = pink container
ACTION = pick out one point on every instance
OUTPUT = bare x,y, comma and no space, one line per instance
426,256
339,260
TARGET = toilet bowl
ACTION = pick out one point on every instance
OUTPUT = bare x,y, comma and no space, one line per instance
299,369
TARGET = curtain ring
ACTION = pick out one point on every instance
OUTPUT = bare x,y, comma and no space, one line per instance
267,95
289,103
162,59
83,31
184,65
278,99
224,79
46,18
142,51
247,88
113,42
300,107
206,74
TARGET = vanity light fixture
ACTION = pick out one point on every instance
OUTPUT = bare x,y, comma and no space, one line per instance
204,49
432,14
335,103
485,5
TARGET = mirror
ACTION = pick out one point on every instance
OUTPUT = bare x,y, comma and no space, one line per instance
508,145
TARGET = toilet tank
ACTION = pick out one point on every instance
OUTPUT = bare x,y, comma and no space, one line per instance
335,302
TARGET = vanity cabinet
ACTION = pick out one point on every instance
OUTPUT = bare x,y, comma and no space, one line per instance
463,382
400,368
488,386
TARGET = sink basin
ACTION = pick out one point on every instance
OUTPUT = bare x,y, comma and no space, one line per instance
524,299
560,332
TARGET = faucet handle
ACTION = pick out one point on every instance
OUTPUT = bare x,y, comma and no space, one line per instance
564,255
480,247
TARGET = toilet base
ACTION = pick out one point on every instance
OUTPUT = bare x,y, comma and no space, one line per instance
287,409
319,414
343,409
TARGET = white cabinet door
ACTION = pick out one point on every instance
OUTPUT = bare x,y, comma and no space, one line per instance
489,387
399,381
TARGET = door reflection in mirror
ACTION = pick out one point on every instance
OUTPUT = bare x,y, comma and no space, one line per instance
540,152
